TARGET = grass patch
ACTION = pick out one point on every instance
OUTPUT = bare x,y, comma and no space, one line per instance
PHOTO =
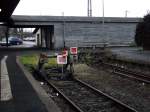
52,62
31,61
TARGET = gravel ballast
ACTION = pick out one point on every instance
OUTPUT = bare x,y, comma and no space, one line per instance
131,92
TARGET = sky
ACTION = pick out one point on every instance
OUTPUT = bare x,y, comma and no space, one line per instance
112,8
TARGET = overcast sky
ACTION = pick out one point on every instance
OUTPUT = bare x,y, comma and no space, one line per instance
113,8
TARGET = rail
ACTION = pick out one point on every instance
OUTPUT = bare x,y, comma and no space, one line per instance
129,73
77,108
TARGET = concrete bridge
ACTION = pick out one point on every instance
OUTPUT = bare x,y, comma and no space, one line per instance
52,31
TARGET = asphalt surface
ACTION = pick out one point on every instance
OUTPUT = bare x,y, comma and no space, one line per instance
25,99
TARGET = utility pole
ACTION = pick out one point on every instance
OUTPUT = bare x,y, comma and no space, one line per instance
63,30
89,8
103,9
126,13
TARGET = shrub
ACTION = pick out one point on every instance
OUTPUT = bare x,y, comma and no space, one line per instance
142,35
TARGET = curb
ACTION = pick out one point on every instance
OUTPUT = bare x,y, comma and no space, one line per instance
5,87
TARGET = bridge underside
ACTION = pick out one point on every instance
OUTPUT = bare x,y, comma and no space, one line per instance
6,9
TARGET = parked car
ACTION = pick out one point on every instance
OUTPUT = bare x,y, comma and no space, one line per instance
15,41
11,41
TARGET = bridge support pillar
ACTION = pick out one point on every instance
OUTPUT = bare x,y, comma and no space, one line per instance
45,37
7,35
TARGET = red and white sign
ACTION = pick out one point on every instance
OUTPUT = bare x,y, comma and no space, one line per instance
61,59
65,53
74,50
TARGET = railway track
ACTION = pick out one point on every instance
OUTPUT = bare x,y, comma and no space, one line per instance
85,98
129,73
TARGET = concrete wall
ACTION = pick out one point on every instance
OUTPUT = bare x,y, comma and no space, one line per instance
58,35
112,33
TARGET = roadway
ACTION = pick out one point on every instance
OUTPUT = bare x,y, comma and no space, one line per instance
26,44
